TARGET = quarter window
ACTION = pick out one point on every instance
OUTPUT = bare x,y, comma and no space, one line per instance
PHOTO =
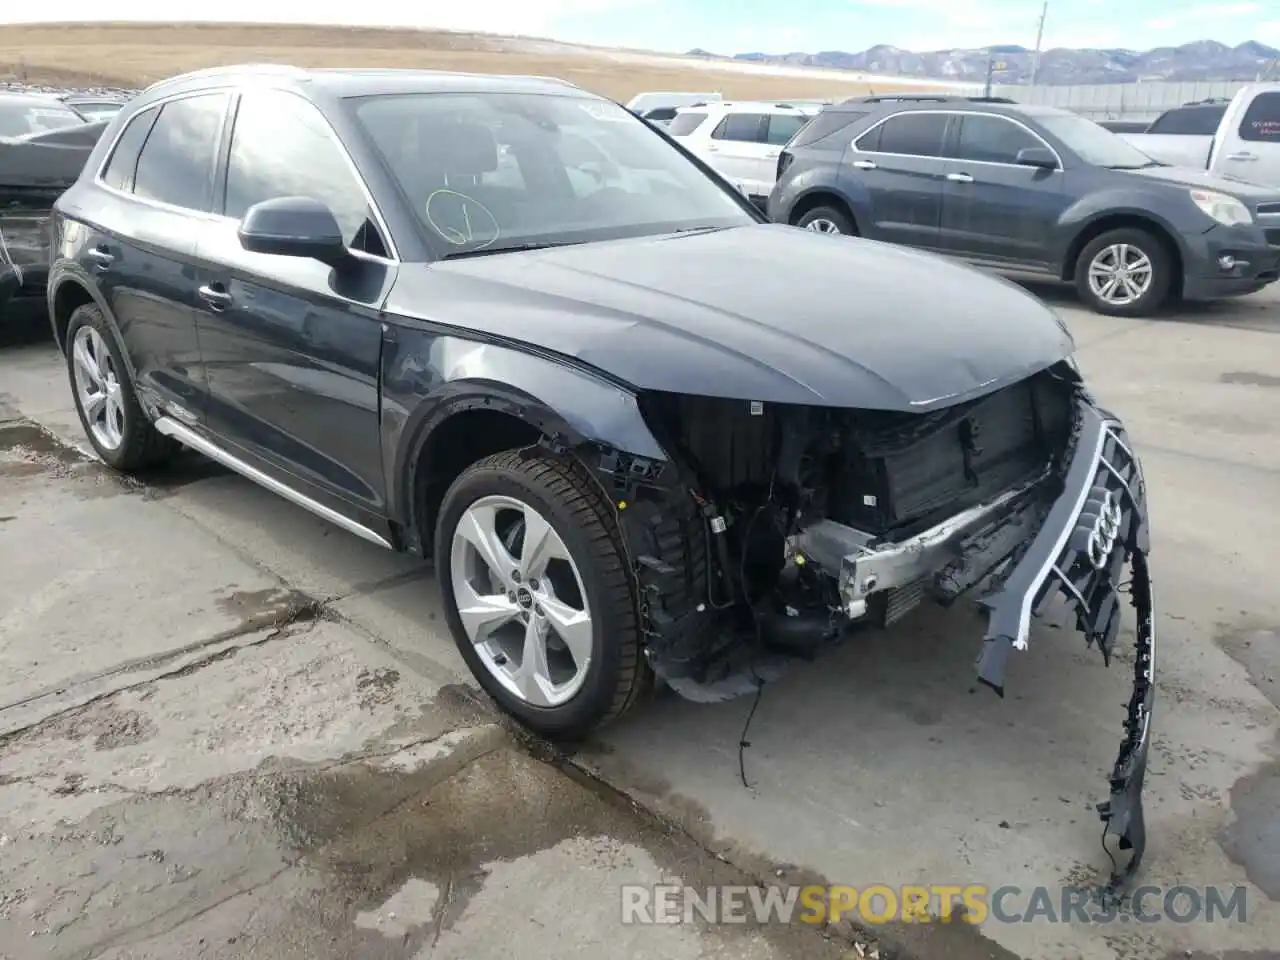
912,134
176,163
742,127
991,139
281,146
1261,121
124,158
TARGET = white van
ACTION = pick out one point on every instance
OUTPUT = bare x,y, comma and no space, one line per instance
1245,143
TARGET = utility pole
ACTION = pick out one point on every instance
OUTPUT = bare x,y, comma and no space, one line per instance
1035,60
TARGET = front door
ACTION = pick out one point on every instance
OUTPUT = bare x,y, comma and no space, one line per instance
1250,147
898,164
292,346
737,149
993,209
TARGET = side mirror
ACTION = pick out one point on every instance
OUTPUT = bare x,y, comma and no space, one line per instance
293,227
1041,157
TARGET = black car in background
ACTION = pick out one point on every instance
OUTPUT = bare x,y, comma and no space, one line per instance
1030,189
643,433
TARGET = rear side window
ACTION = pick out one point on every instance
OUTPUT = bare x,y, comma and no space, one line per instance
910,134
661,113
1189,121
1261,121
124,158
782,127
685,123
825,125
176,163
743,127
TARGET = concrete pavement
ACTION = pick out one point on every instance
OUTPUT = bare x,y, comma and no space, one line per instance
232,728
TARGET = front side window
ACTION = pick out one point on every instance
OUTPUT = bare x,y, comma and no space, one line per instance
176,163
911,134
497,171
742,127
1261,122
991,139
124,157
281,146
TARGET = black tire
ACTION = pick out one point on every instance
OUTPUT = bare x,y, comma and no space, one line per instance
837,217
1163,272
141,445
576,508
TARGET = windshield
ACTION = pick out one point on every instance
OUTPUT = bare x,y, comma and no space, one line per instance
499,171
1095,144
21,117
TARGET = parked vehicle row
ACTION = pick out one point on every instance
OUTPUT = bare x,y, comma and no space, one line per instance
643,432
1236,138
1030,189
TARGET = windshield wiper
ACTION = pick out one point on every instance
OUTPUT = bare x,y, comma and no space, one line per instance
512,248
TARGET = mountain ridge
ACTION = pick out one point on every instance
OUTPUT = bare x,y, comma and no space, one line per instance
1198,60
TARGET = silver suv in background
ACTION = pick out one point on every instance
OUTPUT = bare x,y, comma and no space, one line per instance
1029,189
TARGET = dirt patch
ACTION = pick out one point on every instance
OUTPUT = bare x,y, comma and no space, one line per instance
1251,378
133,55
377,686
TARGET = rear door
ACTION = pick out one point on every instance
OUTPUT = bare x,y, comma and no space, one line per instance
157,187
993,209
292,346
899,165
739,150
1250,141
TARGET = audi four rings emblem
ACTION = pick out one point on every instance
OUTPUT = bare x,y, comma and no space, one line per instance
1102,539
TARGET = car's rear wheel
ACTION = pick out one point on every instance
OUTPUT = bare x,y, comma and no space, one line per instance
105,398
827,220
537,593
1127,272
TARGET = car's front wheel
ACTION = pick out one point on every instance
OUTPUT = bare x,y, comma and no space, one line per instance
105,396
827,220
537,593
1127,272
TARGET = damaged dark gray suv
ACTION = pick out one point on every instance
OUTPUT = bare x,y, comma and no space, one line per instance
504,324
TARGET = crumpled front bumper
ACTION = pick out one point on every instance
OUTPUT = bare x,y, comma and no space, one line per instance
1095,529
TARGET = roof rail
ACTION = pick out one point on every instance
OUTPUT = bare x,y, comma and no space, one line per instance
926,98
279,69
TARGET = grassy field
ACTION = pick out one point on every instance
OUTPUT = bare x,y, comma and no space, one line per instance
121,54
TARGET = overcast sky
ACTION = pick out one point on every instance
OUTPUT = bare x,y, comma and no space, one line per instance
736,26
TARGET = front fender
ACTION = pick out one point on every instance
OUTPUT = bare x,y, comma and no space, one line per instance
1094,207
428,377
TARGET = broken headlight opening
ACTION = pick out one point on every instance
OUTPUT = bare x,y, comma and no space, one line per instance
772,530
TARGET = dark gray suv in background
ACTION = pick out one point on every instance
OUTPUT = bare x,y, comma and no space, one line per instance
1029,189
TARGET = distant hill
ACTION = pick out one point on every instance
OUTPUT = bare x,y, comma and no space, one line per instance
1202,60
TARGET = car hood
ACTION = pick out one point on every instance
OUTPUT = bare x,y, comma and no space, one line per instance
764,312
1201,179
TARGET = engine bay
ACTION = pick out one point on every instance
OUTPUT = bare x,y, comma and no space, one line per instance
806,520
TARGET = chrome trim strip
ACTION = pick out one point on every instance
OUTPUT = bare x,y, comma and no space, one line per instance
956,113
185,435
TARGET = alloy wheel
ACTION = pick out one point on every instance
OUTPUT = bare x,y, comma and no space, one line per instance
822,225
1120,274
98,389
521,600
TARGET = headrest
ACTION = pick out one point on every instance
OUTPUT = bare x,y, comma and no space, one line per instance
457,147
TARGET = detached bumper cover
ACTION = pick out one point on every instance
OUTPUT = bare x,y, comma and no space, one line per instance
1096,528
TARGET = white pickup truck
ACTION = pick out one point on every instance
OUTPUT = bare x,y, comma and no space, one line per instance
1237,138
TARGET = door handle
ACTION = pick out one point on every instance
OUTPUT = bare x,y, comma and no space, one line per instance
959,178
712,149
217,298
101,257
864,164
772,155
1242,156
